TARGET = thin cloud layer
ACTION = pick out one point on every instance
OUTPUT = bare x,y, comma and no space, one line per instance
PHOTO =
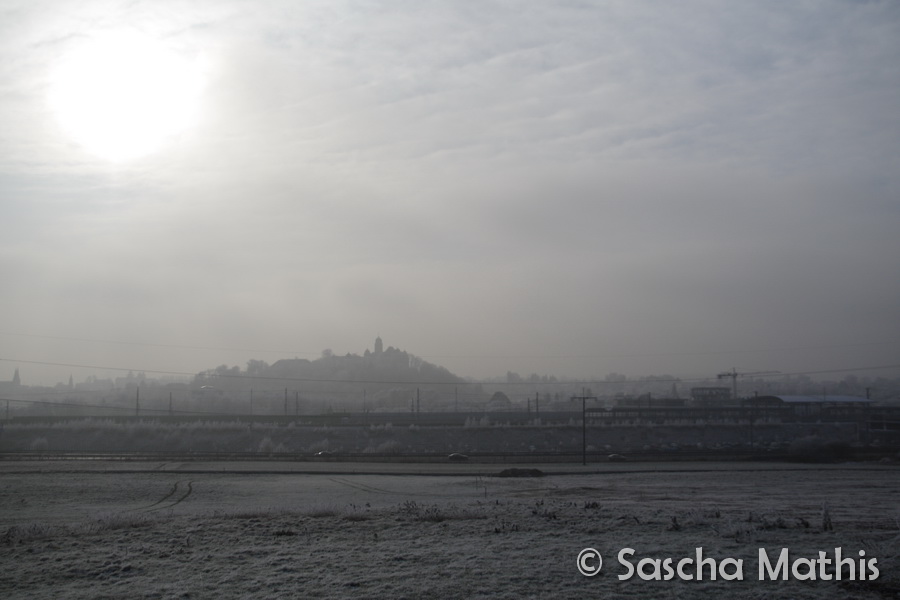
567,188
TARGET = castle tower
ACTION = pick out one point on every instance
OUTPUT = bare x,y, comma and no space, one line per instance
379,346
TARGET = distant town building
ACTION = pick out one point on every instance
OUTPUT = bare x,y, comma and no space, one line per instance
809,406
710,396
648,401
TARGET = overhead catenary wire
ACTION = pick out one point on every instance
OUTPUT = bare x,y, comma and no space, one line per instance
111,407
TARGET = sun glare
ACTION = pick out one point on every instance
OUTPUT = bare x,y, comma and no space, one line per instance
123,96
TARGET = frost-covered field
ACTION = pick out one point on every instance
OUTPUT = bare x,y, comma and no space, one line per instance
189,531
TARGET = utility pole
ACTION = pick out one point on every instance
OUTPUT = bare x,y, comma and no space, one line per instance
751,419
584,398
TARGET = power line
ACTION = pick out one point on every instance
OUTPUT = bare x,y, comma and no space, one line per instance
676,353
98,367
465,356
846,370
208,373
214,375
155,345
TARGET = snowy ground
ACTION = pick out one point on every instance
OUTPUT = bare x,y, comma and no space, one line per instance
205,531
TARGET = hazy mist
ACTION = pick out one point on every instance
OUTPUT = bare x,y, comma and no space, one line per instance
564,188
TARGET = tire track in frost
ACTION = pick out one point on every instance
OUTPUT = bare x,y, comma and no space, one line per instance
527,492
368,488
161,500
360,486
190,489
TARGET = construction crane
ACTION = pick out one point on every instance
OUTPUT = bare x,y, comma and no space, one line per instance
734,375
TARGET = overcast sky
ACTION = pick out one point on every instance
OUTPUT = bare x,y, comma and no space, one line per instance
571,188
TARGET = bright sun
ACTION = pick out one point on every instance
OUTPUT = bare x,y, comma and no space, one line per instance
122,96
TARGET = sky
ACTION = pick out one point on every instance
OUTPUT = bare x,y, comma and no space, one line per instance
572,188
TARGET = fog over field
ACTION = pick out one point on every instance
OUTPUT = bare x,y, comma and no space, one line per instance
330,238
564,188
